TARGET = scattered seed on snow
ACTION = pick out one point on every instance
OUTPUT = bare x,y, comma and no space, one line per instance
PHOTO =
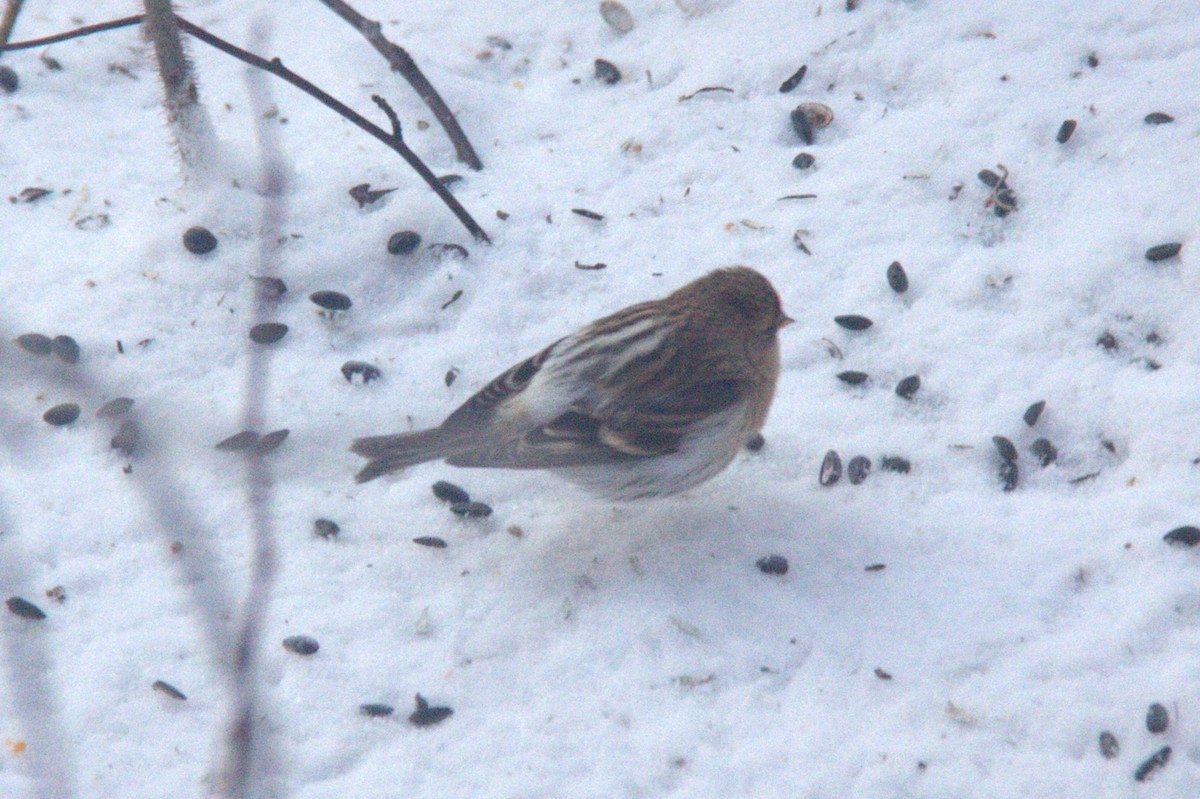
268,332
1034,412
301,644
325,528
853,378
24,608
895,463
908,387
199,240
897,278
1065,130
1158,118
1161,252
430,541
1152,764
239,442
1044,451
376,710
831,469
853,321
617,16
857,469
449,492
114,408
62,414
269,288
426,715
1157,719
875,567
756,442
772,564
1005,447
364,195
803,161
34,343
1187,536
1009,475
404,242
1107,341
331,300
471,510
989,178
66,348
169,690
9,81
881,674
1109,747
271,441
587,214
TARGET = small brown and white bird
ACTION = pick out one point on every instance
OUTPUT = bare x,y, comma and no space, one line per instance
647,402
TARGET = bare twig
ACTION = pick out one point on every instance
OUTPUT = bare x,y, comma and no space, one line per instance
276,67
86,30
186,117
249,756
400,61
11,9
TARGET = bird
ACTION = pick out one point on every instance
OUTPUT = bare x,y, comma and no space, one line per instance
647,402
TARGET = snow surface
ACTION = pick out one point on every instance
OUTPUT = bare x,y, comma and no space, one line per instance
628,651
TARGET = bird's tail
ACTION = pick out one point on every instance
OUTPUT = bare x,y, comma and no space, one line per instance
392,453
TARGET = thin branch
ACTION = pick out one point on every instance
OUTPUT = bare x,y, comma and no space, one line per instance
400,61
11,9
276,67
86,30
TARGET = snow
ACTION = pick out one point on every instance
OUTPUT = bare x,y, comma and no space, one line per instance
633,650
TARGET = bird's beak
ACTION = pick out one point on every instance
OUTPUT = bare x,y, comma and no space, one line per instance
785,321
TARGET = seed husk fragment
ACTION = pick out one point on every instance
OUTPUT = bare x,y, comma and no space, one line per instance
1152,764
376,710
1009,474
908,387
1044,451
362,369
858,468
895,463
1161,252
1065,130
268,332
239,442
853,321
1186,536
803,161
331,300
772,564
62,414
126,438
24,608
169,690
1034,412
449,492
426,715
430,541
34,343
326,528
301,644
831,469
794,80
606,72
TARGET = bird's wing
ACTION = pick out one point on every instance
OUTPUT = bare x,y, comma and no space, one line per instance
607,430
478,412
